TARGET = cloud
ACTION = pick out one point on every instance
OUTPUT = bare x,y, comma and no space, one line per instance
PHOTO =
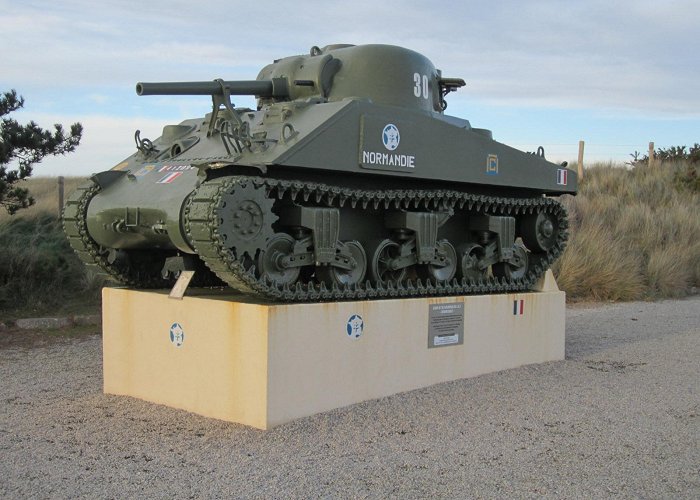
625,54
80,59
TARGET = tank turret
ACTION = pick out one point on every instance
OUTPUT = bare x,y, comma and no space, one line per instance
376,72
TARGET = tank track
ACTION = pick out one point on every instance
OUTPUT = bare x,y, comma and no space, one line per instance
202,222
95,257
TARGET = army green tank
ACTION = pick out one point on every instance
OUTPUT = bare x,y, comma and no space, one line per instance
348,181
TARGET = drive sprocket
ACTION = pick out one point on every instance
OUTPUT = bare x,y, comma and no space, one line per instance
245,217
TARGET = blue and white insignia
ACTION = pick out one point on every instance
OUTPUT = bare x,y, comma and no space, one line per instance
492,165
177,335
391,137
355,326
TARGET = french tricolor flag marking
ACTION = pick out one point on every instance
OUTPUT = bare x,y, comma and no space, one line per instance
169,178
561,176
518,307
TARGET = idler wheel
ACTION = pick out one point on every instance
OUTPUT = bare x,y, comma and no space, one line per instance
539,232
332,275
270,262
516,268
444,272
469,268
381,269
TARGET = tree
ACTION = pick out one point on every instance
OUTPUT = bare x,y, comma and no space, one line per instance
25,145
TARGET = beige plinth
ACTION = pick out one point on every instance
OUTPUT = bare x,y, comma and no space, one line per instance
263,365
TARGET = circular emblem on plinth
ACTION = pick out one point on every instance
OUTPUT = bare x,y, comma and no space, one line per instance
355,326
177,335
391,137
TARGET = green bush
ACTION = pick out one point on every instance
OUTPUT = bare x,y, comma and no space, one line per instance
688,178
673,154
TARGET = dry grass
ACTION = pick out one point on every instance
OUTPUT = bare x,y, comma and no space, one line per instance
44,190
635,234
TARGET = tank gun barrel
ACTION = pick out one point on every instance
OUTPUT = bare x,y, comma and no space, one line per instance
276,87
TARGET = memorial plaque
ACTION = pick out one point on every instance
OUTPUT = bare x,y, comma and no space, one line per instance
446,324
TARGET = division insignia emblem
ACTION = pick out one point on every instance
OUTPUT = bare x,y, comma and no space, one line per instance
177,335
355,326
391,137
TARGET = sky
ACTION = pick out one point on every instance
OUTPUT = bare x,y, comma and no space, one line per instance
615,73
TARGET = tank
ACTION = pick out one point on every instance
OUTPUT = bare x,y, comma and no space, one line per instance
348,181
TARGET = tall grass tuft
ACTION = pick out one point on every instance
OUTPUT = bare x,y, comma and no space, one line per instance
635,233
38,268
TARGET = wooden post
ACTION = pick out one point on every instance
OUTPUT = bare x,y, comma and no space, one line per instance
651,154
580,159
60,195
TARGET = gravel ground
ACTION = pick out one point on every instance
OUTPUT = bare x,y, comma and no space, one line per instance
618,417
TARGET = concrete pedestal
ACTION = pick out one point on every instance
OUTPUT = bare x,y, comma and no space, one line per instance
263,365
